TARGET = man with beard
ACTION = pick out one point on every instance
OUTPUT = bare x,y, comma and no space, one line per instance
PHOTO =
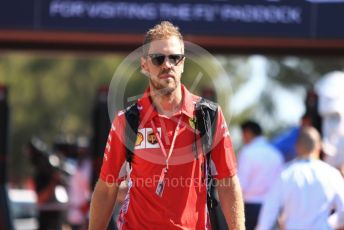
167,188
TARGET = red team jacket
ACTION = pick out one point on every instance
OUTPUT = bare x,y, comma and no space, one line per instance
182,204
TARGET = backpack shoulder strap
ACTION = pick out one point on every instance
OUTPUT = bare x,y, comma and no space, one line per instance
206,115
132,117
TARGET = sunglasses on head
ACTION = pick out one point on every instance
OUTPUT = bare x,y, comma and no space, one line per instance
159,59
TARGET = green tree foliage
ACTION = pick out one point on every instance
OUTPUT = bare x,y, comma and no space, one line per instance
50,96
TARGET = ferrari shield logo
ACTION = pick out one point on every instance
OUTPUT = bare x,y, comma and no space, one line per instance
192,122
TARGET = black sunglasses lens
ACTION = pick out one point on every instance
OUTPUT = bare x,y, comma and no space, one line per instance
158,59
175,58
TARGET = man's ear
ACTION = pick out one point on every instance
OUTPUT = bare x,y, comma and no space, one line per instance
144,67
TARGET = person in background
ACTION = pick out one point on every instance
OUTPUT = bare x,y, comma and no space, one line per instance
80,187
309,193
259,164
285,142
46,179
331,109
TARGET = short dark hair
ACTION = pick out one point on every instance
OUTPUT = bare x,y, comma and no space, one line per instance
253,126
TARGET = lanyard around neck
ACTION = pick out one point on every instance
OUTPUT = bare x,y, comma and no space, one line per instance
163,149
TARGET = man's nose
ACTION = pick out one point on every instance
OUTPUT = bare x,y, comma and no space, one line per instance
166,64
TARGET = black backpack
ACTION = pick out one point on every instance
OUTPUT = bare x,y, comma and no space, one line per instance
206,114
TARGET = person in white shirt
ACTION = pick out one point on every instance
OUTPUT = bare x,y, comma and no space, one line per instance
80,187
259,164
330,107
309,193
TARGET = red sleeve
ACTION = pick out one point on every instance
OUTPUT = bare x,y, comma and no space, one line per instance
114,154
223,164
